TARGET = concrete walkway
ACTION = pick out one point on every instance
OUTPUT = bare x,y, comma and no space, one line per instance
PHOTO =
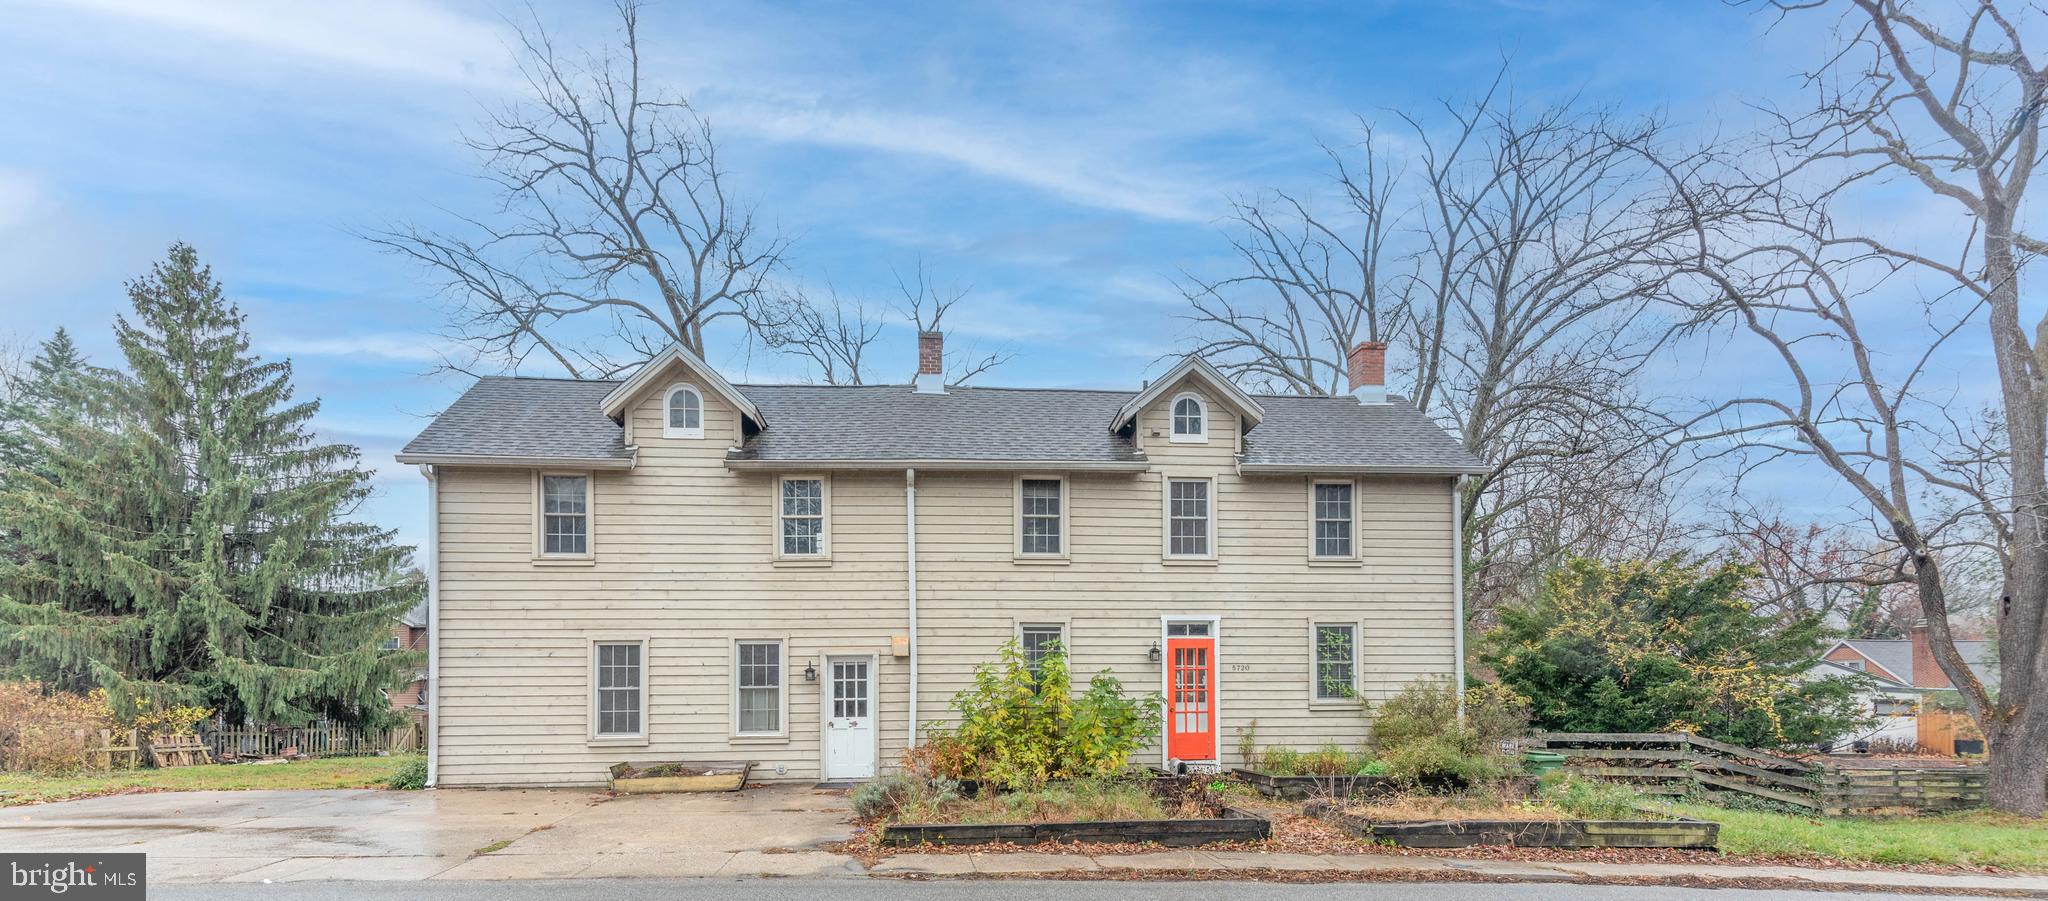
350,835
279,836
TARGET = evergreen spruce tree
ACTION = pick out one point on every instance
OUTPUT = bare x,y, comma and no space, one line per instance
187,539
48,388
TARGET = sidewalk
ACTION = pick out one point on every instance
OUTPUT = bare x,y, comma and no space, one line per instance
1390,867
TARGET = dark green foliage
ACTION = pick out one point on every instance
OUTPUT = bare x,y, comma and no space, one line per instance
181,537
1421,741
1666,646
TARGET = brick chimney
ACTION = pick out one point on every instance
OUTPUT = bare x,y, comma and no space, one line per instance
1926,672
931,363
1369,372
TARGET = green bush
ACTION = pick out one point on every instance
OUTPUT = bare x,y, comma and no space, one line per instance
1020,727
886,796
1588,799
410,777
1442,761
1328,760
1418,736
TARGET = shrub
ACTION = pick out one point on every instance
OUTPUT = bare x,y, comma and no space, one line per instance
1588,799
155,722
410,777
50,732
1418,735
884,795
1440,761
1020,727
1328,760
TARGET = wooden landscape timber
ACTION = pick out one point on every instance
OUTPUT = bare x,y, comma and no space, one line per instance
1676,832
1233,826
1302,788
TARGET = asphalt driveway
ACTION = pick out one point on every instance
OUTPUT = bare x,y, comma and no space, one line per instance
288,836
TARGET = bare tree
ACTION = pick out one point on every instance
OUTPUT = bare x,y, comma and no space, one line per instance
833,335
925,304
1512,269
1948,99
616,233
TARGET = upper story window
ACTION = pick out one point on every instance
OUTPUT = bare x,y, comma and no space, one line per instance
1190,419
565,515
1334,514
1041,517
683,407
1852,664
801,509
1189,523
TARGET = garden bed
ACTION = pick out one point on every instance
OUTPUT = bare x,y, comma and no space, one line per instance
1525,828
1172,798
653,778
1302,788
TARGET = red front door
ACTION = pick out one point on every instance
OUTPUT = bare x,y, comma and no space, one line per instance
1191,698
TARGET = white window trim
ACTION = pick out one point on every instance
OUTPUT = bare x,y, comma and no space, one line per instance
540,518
1166,519
669,431
590,691
1172,420
1355,492
781,691
824,554
1066,634
1315,664
1017,517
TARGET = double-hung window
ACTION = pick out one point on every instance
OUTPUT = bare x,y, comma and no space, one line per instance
1336,656
801,514
1041,517
565,515
757,693
1039,640
618,689
1334,511
1190,523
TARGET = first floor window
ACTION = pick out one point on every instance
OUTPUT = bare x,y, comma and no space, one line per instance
1892,707
760,687
1187,518
620,675
565,515
1336,661
1332,504
1040,640
1039,516
803,517
390,643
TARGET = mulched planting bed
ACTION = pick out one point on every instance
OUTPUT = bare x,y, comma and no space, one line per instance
1223,824
1301,788
1538,831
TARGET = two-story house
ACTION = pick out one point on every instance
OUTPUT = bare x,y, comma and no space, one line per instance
675,567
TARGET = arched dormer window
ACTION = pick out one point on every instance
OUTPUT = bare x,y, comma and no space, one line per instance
1190,419
684,409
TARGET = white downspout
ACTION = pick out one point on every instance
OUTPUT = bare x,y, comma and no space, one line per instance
910,568
1458,587
433,625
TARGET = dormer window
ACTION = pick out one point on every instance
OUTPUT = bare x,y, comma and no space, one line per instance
1190,419
684,409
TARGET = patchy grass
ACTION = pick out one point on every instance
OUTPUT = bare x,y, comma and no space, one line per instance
1411,807
1070,802
1973,839
331,772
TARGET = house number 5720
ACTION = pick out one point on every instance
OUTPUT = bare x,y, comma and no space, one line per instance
1240,668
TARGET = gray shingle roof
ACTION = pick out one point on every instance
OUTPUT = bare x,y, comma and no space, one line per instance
1896,654
558,419
521,417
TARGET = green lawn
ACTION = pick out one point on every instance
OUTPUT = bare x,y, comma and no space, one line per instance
332,772
1977,838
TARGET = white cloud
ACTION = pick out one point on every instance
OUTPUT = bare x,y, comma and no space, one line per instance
399,346
397,37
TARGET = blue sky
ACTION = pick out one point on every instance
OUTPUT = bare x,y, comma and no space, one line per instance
1062,160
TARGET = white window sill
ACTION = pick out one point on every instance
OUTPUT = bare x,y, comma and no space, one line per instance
1189,561
1333,705
803,562
620,741
1335,561
683,433
545,560
1041,560
758,739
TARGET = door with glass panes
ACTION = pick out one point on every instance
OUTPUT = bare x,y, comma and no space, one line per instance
849,717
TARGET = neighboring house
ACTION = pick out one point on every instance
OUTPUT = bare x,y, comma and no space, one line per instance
1902,672
674,567
410,634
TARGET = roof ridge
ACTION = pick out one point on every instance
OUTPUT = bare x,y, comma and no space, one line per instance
546,378
906,385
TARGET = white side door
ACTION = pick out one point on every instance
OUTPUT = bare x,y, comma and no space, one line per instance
850,718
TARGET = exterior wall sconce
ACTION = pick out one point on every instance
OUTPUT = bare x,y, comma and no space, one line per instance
810,672
1153,655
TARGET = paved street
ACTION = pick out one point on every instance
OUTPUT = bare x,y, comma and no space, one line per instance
1005,890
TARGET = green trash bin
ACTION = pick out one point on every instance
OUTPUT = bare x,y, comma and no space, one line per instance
1536,763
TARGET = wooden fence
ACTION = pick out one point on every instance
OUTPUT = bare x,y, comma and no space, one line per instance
1677,763
254,742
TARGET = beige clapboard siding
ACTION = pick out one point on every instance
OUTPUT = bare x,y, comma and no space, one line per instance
684,552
